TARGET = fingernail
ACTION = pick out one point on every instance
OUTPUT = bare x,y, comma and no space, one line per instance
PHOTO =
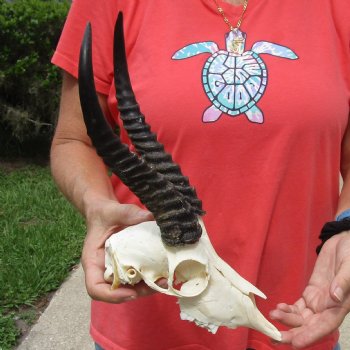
339,294
143,214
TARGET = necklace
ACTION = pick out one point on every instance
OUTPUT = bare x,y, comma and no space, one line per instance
235,39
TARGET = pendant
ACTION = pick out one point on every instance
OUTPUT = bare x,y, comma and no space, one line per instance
235,41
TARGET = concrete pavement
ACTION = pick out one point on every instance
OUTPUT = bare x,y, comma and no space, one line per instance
64,325
65,322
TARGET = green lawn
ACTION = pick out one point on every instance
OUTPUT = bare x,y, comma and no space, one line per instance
41,237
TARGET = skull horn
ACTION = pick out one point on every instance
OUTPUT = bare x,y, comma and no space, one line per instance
139,131
174,215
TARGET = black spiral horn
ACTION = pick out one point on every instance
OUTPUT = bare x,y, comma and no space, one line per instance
176,218
139,131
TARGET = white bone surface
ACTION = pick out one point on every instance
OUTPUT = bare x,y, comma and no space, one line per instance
210,292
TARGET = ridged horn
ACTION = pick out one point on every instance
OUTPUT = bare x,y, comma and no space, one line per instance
144,140
177,221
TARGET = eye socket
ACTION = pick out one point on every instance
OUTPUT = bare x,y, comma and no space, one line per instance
190,278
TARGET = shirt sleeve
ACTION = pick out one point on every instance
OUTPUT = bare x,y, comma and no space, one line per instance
102,15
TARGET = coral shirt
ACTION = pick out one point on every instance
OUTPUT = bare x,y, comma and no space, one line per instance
267,185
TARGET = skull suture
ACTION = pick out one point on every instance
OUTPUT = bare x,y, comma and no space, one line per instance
210,292
176,246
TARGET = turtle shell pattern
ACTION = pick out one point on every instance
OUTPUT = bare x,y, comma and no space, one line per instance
234,83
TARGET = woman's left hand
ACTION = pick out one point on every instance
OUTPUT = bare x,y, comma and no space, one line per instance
326,299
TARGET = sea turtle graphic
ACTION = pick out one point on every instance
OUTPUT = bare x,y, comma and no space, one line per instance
233,79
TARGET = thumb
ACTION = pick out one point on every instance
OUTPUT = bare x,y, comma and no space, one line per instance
130,214
340,286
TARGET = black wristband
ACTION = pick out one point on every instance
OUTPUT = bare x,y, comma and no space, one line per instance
332,228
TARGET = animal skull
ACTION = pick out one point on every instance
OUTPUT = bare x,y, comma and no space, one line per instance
210,292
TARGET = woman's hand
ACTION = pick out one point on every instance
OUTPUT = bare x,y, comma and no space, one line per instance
82,177
104,218
326,299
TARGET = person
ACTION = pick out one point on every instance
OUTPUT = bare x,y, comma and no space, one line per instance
267,173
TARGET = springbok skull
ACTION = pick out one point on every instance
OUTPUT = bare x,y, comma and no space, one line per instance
176,245
210,292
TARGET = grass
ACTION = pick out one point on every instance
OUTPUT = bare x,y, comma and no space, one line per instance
41,238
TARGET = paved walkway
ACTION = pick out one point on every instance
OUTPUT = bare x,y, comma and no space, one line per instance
65,323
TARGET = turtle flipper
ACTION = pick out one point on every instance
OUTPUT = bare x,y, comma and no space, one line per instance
273,49
211,114
195,49
255,115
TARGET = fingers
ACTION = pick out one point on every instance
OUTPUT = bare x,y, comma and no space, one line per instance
340,286
292,315
109,217
99,289
338,247
93,261
96,286
289,315
106,215
102,291
129,214
325,301
307,326
314,329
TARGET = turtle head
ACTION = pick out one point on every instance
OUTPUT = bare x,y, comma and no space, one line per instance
235,41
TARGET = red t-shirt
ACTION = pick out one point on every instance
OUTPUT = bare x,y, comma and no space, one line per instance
267,186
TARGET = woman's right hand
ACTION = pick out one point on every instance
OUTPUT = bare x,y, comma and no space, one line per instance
82,177
105,217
